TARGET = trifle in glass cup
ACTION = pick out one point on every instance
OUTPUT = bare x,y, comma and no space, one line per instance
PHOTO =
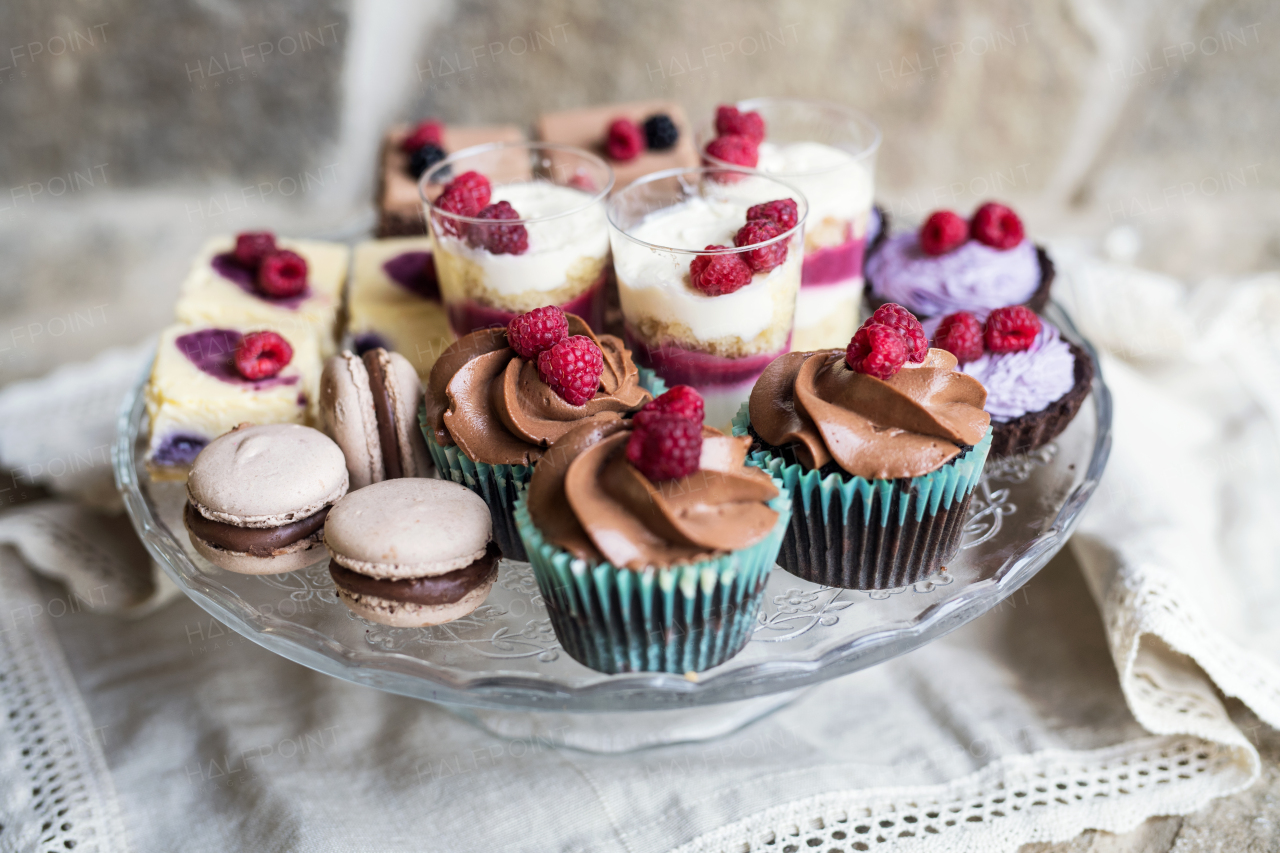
708,267
516,226
828,151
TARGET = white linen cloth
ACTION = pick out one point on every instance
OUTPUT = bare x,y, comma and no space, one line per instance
162,730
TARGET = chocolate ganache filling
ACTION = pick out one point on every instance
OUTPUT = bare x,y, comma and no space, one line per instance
586,498
494,406
908,425
437,589
384,407
256,541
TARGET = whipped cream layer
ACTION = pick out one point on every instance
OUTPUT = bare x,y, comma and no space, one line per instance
554,245
836,184
974,277
653,283
1019,383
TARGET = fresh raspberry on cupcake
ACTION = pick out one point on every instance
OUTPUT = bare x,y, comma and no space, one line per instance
996,226
942,232
537,331
897,317
572,368
1011,329
664,445
877,350
961,335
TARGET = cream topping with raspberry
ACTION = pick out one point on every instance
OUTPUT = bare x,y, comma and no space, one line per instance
654,283
576,229
835,183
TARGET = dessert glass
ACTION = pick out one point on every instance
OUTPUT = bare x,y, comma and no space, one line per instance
718,344
559,192
829,152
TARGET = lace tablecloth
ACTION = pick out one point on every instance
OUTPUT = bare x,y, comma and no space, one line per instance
131,725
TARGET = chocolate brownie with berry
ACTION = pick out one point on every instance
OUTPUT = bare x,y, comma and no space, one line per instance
294,286
497,398
1036,380
952,264
207,379
650,539
634,138
410,150
884,441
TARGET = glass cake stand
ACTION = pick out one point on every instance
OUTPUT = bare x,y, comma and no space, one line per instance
503,660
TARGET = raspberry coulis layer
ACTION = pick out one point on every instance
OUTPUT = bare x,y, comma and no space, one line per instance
469,315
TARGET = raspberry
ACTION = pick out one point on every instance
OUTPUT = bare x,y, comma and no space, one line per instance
499,239
681,400
253,246
262,355
572,368
996,226
625,140
897,317
961,335
716,275
764,258
664,446
730,121
660,132
424,158
738,150
465,195
538,330
282,274
429,132
784,212
876,350
1011,329
942,232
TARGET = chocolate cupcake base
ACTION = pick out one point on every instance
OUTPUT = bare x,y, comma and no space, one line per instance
678,619
1036,429
855,533
1039,299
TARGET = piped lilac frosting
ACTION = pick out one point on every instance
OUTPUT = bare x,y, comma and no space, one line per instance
974,277
1018,383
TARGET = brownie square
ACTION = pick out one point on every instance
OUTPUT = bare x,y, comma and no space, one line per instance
588,127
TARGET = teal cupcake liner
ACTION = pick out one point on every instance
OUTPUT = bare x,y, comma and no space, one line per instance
685,618
857,533
499,485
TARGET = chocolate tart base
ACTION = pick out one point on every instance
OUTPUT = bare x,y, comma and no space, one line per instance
856,534
1036,429
1039,299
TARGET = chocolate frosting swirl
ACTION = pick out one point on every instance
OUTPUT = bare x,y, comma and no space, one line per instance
492,404
906,426
588,499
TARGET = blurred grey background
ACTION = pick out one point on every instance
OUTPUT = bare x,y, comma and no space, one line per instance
134,128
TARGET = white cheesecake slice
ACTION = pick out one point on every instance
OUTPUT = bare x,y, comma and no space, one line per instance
211,297
394,301
195,393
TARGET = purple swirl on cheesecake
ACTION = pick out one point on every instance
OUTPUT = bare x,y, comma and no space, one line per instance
973,277
1019,383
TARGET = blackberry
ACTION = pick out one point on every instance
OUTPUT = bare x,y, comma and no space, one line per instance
660,132
424,158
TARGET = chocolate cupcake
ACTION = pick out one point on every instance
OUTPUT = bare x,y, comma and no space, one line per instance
881,469
651,552
492,409
952,265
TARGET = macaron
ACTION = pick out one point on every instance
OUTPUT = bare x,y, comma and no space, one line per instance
412,552
257,497
369,404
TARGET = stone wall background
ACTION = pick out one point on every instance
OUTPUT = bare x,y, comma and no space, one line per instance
133,128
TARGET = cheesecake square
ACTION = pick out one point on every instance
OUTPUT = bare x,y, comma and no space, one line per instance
220,292
588,127
399,205
195,393
394,301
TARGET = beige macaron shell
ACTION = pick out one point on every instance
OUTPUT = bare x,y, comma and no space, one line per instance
401,614
346,407
408,528
267,475
406,394
299,555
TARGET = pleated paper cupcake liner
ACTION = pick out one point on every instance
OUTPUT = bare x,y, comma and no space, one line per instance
499,485
857,533
685,618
